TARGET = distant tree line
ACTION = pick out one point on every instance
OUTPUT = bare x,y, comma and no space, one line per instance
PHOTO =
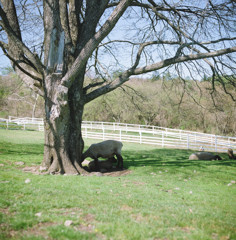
182,103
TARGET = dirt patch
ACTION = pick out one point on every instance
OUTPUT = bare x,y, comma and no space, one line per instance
85,228
89,217
4,211
126,208
138,218
39,229
114,173
32,169
67,211
118,173
88,224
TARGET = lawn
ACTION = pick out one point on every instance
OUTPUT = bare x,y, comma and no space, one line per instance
165,196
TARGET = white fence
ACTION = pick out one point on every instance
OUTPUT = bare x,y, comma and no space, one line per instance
162,137
143,134
26,123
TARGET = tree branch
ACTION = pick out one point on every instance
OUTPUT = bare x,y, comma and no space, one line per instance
65,20
4,47
158,7
12,35
170,61
91,45
180,59
74,22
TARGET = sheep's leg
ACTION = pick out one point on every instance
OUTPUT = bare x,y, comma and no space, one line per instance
96,164
120,161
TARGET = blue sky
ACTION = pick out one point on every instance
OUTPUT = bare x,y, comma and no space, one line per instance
4,61
123,54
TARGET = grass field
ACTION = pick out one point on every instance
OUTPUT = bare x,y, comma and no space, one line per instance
166,196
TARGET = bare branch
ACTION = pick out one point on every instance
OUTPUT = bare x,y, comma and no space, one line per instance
86,52
125,75
74,21
17,63
12,35
65,21
174,60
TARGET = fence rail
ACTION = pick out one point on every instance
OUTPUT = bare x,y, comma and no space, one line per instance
143,134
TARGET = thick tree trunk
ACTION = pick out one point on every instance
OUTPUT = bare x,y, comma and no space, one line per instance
63,139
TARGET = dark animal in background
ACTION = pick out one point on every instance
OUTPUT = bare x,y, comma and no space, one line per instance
231,154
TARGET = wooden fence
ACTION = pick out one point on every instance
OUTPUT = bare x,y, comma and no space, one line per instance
142,134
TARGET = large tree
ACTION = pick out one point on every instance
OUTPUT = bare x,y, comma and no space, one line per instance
80,37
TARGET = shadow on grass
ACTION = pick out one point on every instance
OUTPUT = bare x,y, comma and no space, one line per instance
20,149
172,158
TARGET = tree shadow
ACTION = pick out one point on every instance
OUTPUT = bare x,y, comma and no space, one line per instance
21,149
173,158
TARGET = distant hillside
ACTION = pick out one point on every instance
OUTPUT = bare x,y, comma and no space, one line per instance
184,105
18,100
163,102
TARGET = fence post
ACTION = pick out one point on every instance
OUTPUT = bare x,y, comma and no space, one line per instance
140,137
103,133
162,140
120,134
86,134
7,124
229,142
215,143
188,141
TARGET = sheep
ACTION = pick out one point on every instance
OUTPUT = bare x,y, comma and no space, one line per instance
106,149
231,154
104,166
204,156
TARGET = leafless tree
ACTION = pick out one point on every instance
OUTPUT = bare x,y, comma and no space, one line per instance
76,36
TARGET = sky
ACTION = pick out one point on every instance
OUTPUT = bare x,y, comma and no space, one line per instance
123,56
4,61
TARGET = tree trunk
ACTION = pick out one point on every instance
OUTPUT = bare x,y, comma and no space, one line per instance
63,138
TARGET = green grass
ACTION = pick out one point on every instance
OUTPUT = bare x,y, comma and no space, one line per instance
166,196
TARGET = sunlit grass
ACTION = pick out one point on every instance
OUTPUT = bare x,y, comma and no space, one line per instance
166,196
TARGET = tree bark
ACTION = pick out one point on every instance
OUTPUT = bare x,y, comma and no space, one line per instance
63,138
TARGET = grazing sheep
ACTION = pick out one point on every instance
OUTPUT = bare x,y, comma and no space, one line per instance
107,149
204,156
231,154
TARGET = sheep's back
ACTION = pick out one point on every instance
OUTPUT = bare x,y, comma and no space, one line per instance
106,148
202,156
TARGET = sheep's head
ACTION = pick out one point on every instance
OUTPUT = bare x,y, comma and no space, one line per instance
230,153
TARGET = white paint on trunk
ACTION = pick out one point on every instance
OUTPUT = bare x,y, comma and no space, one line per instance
56,51
60,52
